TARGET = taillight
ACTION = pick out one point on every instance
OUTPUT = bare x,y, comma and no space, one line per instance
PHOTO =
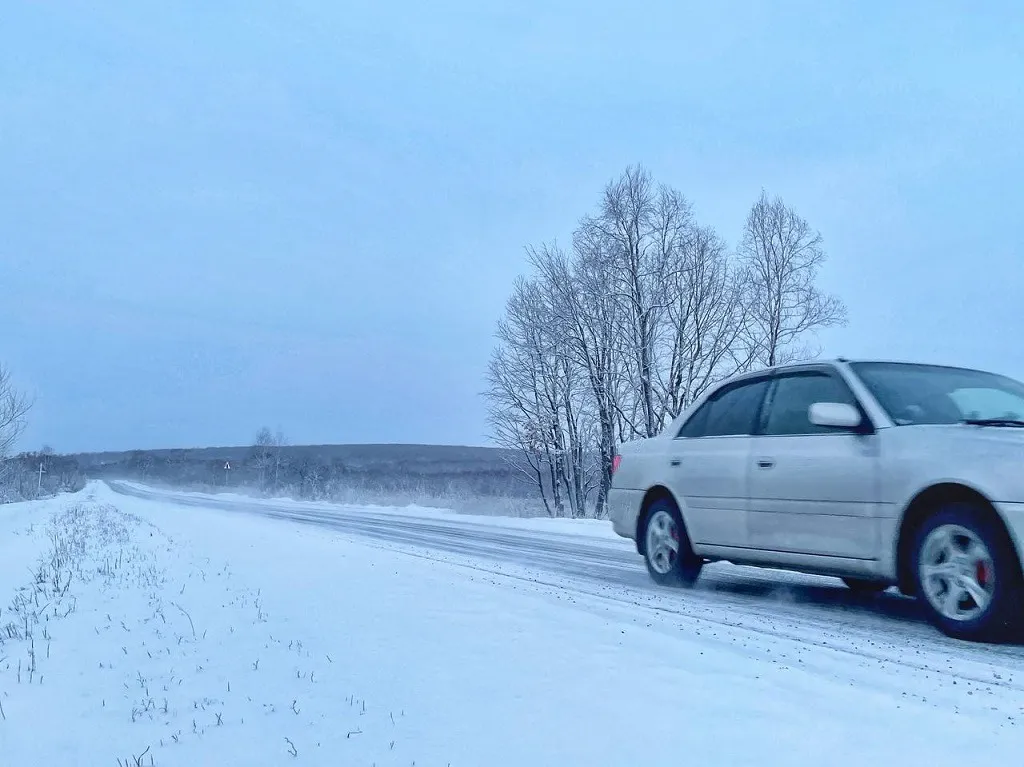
616,460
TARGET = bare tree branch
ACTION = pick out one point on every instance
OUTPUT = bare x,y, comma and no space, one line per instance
14,408
781,256
706,320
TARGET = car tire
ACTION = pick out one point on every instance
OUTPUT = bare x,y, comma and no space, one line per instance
865,586
663,529
967,574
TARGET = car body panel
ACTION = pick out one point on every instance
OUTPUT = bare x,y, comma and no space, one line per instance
712,480
623,507
1013,516
815,494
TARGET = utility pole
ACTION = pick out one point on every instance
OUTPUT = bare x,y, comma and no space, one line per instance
39,484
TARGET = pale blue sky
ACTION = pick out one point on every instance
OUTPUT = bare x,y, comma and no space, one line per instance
309,214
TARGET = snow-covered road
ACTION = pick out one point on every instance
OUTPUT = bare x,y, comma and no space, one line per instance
587,558
216,630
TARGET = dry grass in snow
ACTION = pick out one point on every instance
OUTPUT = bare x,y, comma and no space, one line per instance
144,655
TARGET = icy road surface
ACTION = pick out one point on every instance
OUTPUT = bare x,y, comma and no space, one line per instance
184,630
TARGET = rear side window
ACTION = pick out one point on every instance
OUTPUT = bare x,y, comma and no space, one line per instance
732,412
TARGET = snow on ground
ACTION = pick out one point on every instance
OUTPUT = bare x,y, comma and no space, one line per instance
200,636
18,522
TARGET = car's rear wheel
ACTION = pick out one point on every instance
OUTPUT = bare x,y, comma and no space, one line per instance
865,586
968,575
667,550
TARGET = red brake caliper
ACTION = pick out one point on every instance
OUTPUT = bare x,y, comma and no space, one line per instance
981,573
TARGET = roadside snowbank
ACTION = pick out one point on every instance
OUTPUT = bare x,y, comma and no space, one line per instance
20,526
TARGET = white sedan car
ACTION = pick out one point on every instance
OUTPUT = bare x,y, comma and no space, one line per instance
880,473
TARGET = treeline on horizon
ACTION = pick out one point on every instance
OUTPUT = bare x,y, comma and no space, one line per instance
323,472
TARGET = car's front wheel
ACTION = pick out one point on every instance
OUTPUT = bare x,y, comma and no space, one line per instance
968,575
667,550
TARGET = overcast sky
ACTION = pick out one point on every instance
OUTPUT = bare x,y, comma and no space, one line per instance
215,215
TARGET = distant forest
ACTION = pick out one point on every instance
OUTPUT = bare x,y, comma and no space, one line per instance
470,479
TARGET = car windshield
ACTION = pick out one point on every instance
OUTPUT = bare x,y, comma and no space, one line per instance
931,394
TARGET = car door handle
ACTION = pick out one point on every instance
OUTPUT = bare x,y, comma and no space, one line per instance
675,461
765,463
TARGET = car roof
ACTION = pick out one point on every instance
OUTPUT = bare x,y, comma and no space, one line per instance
836,362
776,369
910,362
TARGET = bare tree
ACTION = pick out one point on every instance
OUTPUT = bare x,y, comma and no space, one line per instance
646,311
527,389
263,454
781,256
14,407
580,434
565,400
514,415
312,477
517,414
588,322
278,458
512,425
644,228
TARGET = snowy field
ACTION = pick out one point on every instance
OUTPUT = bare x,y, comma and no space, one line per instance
183,630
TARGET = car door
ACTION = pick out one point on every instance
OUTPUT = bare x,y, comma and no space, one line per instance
709,463
813,490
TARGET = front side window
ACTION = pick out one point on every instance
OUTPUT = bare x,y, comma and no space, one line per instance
732,412
930,394
792,399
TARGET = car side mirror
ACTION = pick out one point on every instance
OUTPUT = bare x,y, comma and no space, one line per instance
836,415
